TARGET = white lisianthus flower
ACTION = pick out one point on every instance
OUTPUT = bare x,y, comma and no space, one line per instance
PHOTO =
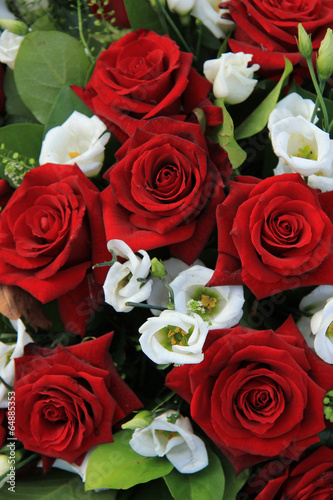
79,140
176,441
303,146
159,293
9,47
231,77
322,328
221,306
209,13
174,337
181,7
309,305
291,106
121,283
7,355
81,469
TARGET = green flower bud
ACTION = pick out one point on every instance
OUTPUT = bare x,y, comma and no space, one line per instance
304,42
14,26
156,3
141,420
325,56
157,268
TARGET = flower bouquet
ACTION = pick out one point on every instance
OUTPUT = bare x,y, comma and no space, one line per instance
166,249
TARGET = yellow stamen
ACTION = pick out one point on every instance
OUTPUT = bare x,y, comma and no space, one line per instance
73,154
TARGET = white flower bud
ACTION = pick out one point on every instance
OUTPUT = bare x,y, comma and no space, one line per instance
121,284
176,441
231,77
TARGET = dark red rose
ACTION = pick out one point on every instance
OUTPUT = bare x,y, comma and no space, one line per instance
68,399
256,394
268,29
141,76
164,189
51,232
3,427
111,9
309,479
5,193
274,235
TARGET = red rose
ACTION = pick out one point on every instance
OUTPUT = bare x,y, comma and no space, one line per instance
256,394
141,76
68,399
3,427
274,235
165,188
5,193
51,232
115,7
309,479
268,29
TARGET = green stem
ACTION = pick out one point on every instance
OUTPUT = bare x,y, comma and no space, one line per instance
197,49
171,304
9,387
316,106
21,464
144,306
174,27
83,40
319,94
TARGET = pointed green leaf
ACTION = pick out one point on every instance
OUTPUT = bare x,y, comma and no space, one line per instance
142,15
233,483
14,104
224,135
66,103
57,59
115,465
54,486
203,485
258,119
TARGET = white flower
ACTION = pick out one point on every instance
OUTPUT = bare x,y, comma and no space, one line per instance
322,328
159,293
5,12
9,46
176,441
181,7
121,284
173,337
221,305
303,146
81,469
231,77
78,140
291,105
7,355
209,13
309,305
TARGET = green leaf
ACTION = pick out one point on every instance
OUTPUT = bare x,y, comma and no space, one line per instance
233,483
115,465
63,107
14,104
149,491
23,138
142,15
258,119
224,135
203,485
57,59
54,486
